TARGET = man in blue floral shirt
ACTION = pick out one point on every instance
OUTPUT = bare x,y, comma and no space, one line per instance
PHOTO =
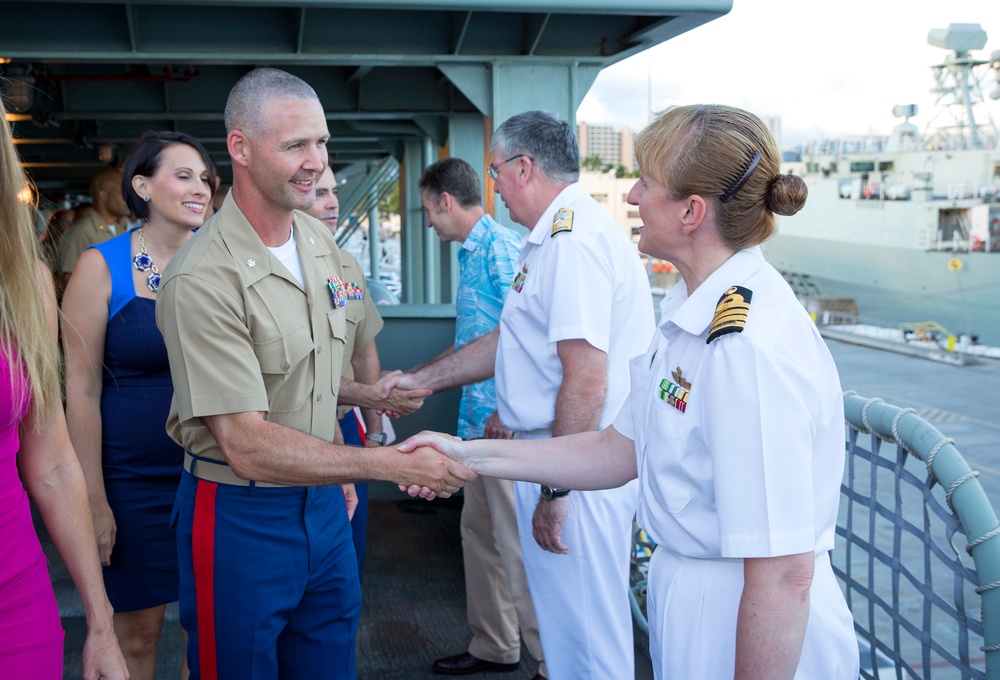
498,601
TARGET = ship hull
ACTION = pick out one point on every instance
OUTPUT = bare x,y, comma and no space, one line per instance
896,285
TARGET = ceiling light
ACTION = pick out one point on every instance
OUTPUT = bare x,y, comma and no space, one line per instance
20,91
27,193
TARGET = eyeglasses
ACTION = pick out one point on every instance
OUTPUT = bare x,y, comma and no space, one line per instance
492,170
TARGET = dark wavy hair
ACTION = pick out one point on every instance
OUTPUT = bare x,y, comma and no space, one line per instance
144,159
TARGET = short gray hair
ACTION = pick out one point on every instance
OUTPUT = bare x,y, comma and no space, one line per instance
246,104
548,141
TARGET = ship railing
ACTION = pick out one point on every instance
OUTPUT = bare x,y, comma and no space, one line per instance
960,190
917,549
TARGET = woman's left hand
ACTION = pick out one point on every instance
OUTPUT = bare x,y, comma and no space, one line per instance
102,657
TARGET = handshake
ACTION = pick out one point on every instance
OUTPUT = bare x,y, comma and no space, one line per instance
440,465
395,394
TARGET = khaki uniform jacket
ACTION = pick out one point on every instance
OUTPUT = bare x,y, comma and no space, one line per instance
242,334
87,231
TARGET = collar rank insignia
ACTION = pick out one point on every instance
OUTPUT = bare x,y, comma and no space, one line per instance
674,394
678,375
730,313
518,283
562,221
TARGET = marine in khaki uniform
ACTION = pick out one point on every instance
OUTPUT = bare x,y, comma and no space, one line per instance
98,225
254,314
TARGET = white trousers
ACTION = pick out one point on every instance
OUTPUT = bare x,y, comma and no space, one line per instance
581,599
692,607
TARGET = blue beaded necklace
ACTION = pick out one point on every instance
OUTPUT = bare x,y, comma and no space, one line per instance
144,263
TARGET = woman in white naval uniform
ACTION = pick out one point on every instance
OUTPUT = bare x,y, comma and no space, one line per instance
734,423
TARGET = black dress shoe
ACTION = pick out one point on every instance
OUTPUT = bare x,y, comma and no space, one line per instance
466,664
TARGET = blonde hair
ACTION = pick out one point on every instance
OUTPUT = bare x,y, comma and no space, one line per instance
26,341
706,150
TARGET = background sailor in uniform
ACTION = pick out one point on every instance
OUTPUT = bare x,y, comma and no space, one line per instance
253,312
360,401
734,422
579,309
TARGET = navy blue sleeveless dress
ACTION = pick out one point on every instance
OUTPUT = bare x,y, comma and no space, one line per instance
142,465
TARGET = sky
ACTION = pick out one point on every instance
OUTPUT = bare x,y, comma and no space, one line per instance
826,68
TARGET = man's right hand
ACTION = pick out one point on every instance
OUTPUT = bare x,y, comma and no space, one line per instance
433,472
398,380
398,396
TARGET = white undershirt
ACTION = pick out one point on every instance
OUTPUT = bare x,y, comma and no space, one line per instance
288,254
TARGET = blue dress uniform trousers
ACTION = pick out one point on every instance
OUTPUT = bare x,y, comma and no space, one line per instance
269,581
354,436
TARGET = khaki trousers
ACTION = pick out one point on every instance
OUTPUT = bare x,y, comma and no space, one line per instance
496,588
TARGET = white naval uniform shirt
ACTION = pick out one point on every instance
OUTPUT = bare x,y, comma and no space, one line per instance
752,467
587,284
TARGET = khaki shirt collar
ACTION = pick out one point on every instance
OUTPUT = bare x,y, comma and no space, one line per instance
254,258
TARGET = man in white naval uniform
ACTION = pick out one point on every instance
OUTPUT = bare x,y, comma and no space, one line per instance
580,308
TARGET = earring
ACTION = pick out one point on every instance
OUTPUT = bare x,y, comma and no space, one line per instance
145,199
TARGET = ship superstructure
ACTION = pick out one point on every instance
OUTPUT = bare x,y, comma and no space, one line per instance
909,225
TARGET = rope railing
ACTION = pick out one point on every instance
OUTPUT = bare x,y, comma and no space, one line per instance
923,608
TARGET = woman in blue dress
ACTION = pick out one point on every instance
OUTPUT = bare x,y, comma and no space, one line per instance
118,387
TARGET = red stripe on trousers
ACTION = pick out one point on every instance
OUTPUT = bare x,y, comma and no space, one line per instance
203,558
361,429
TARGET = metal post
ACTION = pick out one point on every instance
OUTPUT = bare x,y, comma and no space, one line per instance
374,239
432,245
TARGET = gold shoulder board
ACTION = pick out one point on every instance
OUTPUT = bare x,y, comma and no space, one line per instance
730,313
562,221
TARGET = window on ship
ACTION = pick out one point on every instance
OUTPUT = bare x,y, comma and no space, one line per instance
885,166
863,166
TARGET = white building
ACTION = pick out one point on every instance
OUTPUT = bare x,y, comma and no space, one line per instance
612,193
614,147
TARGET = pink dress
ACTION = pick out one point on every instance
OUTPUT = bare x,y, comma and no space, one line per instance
31,636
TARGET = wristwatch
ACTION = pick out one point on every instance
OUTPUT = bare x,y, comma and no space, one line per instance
381,438
549,493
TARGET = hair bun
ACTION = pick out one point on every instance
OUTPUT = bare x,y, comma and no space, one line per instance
786,195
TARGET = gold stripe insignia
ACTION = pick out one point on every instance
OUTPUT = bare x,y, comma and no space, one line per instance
562,221
730,313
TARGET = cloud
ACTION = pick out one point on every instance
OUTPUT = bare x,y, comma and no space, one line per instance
828,69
